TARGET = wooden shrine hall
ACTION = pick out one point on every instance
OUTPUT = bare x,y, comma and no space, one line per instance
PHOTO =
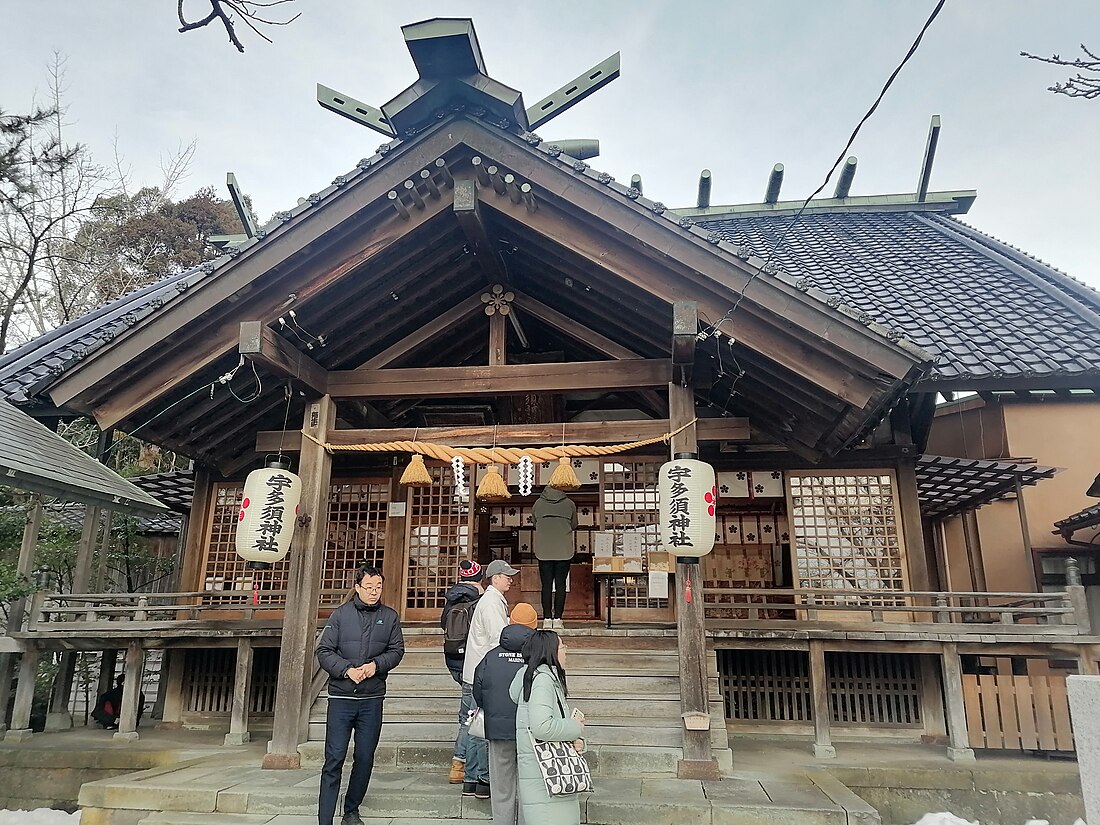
474,285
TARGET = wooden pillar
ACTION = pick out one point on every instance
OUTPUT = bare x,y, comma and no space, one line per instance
959,749
698,761
131,693
108,661
823,713
242,694
498,339
973,542
296,665
1025,532
393,557
17,608
194,540
915,553
59,717
24,696
171,676
931,698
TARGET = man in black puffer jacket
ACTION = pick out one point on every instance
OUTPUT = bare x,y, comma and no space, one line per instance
359,646
492,679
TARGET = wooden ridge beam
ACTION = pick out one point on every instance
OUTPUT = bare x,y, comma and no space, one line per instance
510,379
517,435
265,346
469,218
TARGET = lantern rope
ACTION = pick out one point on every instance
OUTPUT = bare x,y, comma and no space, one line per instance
494,455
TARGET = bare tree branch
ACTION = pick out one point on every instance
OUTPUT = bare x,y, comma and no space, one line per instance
246,10
1086,83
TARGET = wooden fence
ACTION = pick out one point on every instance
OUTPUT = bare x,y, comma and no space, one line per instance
1017,712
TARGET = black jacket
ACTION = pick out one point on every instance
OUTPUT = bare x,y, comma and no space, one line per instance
494,676
357,633
458,594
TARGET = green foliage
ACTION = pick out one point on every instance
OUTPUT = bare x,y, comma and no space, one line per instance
26,144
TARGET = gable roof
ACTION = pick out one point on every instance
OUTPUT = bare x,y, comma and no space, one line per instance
34,458
693,263
993,316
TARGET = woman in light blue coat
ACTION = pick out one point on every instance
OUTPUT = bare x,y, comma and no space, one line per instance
539,691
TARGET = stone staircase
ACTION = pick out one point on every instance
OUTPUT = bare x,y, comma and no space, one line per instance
627,686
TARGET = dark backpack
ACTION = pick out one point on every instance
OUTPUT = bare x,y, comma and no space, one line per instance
456,627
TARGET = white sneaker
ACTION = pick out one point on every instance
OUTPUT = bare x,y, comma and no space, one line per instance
559,624
547,624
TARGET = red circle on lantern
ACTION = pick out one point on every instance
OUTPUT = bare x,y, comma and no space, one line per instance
240,516
245,503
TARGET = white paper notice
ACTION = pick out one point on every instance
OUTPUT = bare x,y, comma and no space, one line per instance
658,585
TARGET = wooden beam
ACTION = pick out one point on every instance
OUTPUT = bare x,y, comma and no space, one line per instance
24,695
433,382
265,346
959,750
685,326
469,218
425,332
131,693
819,686
518,435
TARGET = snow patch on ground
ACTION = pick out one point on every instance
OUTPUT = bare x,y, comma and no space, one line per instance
951,819
39,816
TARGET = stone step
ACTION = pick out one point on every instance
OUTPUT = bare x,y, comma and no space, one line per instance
402,707
630,683
578,657
662,733
420,799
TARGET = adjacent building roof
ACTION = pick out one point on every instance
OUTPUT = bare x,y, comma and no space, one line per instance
173,489
950,485
1089,517
993,316
34,458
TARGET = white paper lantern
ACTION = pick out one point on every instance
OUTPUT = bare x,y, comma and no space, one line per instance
269,513
687,500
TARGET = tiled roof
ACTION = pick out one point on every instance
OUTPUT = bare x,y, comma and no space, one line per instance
72,516
1089,517
985,309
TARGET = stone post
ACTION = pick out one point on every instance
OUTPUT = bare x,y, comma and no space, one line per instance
1084,708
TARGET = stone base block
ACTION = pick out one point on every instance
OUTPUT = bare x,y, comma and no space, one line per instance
282,762
18,735
824,752
126,736
961,754
62,720
233,739
697,769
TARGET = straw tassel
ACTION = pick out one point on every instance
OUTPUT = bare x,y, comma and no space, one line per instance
416,474
492,486
564,478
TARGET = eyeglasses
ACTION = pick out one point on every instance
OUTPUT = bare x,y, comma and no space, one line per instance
371,588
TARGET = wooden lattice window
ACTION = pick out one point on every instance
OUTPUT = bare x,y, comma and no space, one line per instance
356,533
846,534
628,503
226,575
208,675
438,536
765,685
874,689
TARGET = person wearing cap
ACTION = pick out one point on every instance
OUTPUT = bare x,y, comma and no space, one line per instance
492,680
465,593
490,618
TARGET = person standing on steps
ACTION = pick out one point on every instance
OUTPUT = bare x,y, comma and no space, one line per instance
490,618
458,612
359,646
555,517
492,680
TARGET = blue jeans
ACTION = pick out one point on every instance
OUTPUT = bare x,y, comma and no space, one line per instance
477,750
364,716
463,715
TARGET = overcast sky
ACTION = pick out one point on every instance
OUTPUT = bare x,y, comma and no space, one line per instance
732,85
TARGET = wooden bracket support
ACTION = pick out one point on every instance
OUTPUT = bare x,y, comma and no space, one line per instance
265,346
469,218
685,328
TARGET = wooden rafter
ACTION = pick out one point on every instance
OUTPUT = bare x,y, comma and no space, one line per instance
425,332
574,329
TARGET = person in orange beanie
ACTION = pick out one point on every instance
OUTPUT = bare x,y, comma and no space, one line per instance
492,679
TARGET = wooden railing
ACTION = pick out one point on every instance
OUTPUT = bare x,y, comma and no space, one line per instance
969,610
57,611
